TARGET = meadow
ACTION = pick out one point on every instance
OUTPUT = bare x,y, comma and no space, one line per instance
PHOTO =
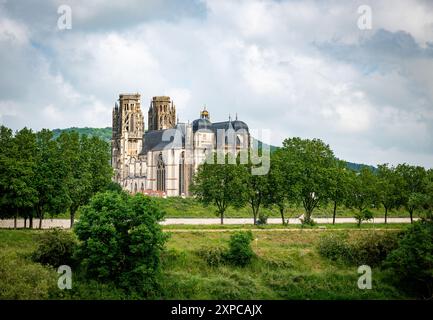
286,265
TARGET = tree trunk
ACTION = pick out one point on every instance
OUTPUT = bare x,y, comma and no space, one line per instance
15,219
282,215
255,216
386,215
411,216
335,211
72,217
222,217
31,222
25,222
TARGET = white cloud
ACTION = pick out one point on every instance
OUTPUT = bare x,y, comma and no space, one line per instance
260,59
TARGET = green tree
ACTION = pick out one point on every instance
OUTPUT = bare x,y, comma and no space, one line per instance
363,192
219,184
339,185
389,187
255,188
413,186
121,240
50,177
308,164
78,178
279,184
17,167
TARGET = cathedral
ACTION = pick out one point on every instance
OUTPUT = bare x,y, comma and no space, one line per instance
161,160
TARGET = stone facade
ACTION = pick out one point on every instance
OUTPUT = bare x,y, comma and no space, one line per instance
162,160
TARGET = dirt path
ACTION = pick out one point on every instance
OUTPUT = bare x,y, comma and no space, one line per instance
65,223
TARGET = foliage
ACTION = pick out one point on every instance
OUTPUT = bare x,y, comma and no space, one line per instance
371,248
307,166
390,188
411,264
20,280
219,184
364,215
55,248
335,246
363,190
240,252
121,240
214,256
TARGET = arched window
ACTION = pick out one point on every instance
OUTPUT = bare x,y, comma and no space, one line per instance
142,187
160,174
182,173
135,188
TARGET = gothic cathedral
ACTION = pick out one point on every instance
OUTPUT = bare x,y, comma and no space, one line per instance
162,160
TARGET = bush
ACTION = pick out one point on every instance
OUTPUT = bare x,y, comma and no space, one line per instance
372,248
263,219
55,247
21,280
335,247
364,215
240,252
411,264
121,240
214,256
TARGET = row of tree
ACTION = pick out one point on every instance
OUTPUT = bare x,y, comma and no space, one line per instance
306,172
40,175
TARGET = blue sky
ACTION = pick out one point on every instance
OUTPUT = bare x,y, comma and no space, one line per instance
299,68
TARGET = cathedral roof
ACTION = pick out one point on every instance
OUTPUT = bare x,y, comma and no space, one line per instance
201,124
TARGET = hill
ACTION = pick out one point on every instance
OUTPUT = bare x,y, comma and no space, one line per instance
105,134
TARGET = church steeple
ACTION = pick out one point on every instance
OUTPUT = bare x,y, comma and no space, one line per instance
204,114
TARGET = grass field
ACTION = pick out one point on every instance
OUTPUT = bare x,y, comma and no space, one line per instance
287,266
177,207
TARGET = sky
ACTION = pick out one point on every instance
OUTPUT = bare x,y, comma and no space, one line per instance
297,68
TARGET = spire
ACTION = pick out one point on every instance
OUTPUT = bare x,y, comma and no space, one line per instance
230,118
236,116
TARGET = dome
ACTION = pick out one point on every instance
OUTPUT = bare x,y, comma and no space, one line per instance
201,124
239,125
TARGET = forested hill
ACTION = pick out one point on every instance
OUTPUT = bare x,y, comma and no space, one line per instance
105,134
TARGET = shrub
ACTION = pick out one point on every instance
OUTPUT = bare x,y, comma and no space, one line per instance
364,215
263,219
121,240
20,279
214,256
411,264
240,252
334,246
55,247
372,248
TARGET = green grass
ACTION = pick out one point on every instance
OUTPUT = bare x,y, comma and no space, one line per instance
234,227
287,266
177,207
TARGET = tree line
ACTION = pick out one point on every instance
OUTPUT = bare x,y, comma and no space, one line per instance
306,172
41,175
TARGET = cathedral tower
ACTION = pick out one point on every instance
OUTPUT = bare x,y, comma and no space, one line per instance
128,128
162,113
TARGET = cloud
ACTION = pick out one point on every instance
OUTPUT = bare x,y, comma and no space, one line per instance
299,68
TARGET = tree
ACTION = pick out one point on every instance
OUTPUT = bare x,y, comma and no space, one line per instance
363,190
78,177
308,164
121,240
219,184
413,187
389,187
97,153
338,188
255,187
279,184
17,167
50,176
